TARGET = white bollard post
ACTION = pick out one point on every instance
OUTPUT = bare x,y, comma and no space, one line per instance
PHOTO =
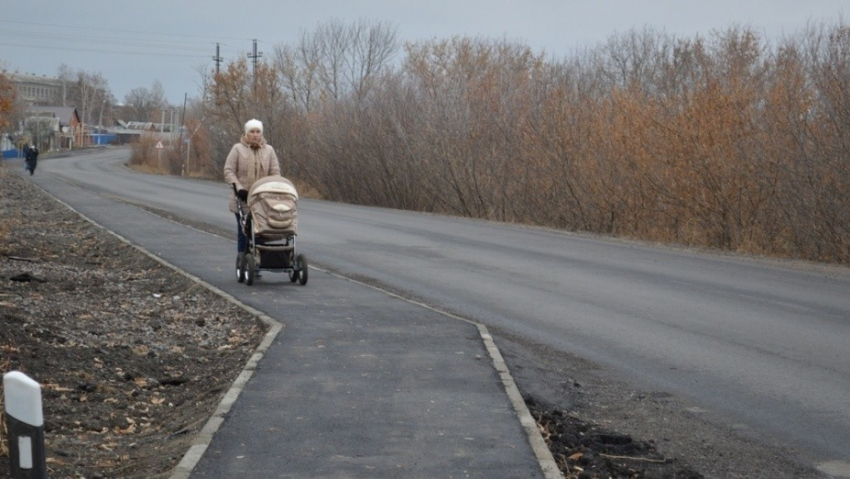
25,423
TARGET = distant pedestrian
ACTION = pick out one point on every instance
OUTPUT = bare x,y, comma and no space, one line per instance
249,160
31,159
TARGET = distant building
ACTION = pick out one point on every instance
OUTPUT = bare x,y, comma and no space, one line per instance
56,127
35,89
133,131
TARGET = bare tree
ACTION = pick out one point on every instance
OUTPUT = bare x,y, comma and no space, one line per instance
66,77
721,141
298,68
88,92
145,104
372,47
334,60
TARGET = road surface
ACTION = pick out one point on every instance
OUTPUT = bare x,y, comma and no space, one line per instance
759,344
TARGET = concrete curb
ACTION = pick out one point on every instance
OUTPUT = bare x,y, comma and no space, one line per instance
538,444
184,468
204,437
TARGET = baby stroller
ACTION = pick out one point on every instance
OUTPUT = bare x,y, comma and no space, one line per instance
270,222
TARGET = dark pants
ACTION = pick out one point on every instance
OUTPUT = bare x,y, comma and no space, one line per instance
241,239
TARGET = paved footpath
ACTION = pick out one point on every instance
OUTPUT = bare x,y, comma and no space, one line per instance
357,384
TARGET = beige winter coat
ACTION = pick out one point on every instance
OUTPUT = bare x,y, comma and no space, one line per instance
236,166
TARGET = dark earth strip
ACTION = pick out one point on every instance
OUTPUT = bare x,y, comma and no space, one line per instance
133,357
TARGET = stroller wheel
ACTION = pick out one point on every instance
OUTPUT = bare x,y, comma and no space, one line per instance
249,269
240,267
301,265
293,276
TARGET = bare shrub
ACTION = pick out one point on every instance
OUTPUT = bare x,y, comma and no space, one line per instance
722,141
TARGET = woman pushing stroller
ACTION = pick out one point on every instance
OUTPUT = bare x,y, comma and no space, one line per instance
249,160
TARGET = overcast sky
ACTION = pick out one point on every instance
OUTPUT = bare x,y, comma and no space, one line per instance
134,43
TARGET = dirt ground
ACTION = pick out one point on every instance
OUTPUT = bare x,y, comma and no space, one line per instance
134,357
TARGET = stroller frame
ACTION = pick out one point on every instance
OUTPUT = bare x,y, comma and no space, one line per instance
281,254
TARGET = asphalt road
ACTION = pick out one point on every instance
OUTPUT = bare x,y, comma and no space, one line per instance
754,342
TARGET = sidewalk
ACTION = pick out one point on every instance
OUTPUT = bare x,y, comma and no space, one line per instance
356,384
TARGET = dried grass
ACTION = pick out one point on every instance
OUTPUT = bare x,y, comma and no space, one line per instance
6,226
5,229
146,168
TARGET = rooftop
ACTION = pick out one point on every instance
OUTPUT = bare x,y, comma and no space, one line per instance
33,78
64,113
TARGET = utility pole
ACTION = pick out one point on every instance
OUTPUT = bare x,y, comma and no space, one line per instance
182,127
100,123
161,134
217,59
254,56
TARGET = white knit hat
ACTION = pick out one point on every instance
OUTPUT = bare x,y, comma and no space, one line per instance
253,125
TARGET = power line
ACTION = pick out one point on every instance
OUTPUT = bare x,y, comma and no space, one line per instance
101,40
96,44
210,37
94,50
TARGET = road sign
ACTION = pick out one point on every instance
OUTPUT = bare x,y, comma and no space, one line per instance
159,145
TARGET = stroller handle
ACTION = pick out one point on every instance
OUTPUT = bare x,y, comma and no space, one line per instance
238,201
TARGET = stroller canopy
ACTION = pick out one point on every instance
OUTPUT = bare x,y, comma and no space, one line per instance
272,184
273,202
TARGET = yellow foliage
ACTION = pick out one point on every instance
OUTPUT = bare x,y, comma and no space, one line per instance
7,100
720,142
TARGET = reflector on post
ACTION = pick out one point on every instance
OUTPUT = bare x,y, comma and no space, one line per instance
25,423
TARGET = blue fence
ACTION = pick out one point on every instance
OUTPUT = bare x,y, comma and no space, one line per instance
98,139
10,154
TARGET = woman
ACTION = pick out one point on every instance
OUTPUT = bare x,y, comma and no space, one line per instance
32,159
250,159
